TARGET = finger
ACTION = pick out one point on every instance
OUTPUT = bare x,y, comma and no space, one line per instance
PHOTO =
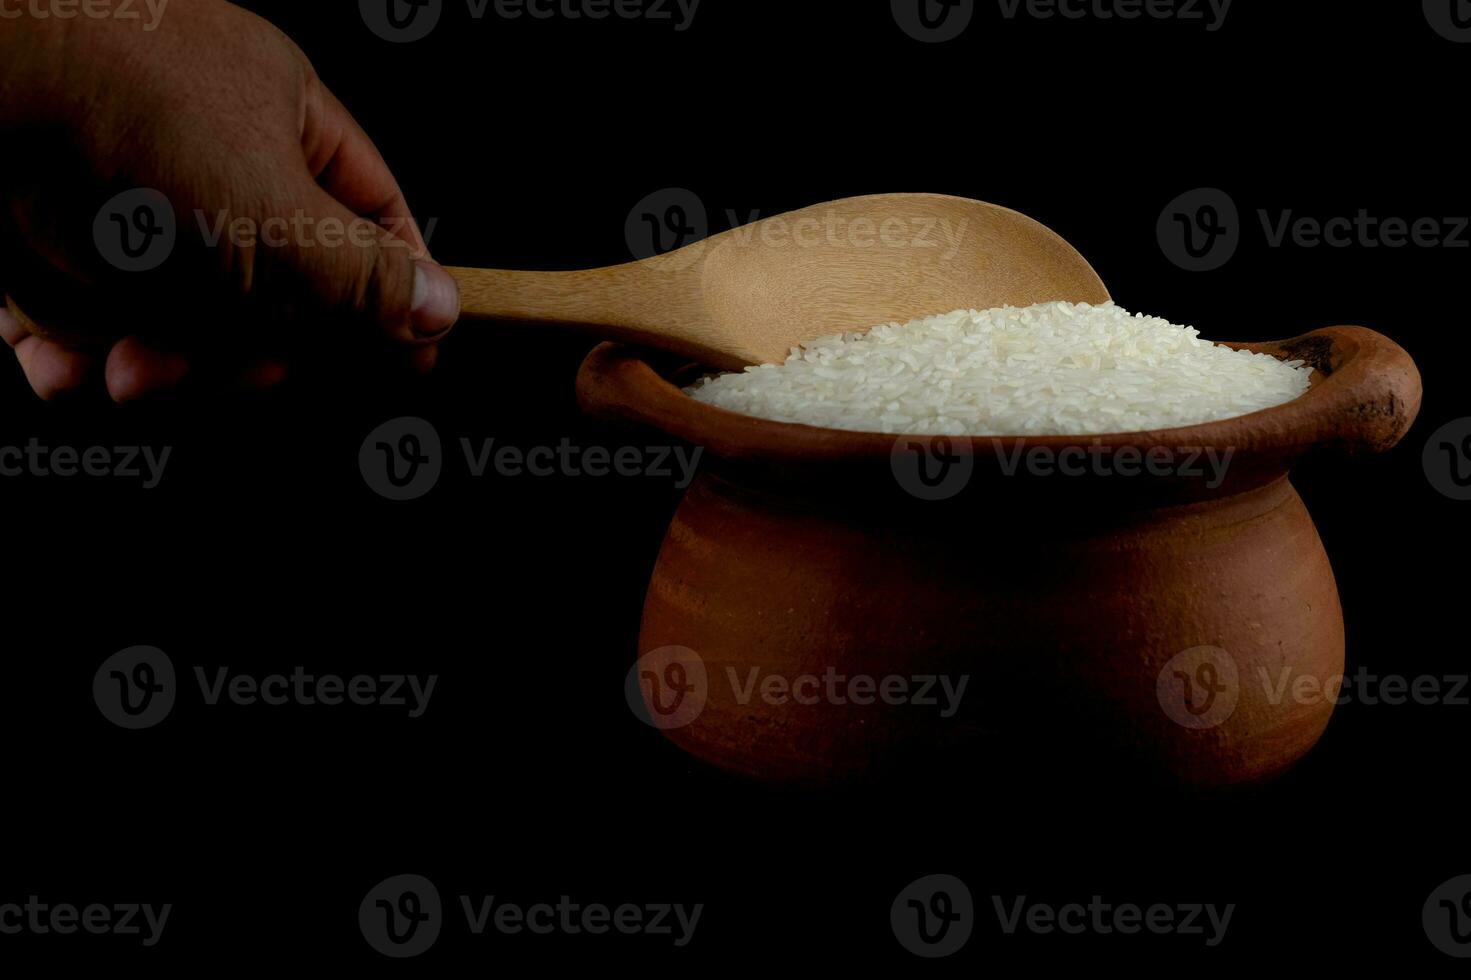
410,298
262,374
51,369
366,278
11,329
136,369
344,161
423,359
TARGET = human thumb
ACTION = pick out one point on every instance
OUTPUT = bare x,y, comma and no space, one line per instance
352,271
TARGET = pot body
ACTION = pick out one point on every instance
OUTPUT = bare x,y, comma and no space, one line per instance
841,637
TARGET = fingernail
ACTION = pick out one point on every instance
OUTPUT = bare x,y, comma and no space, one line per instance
436,300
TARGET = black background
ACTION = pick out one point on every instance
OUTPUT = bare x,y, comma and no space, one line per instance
528,778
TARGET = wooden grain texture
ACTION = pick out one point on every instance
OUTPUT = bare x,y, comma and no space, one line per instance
748,295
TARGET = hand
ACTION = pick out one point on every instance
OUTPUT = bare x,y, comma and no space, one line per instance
292,236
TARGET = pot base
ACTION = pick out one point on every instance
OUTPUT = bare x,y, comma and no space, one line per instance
1166,644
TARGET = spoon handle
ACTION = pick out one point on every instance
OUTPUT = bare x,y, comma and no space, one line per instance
541,297
645,303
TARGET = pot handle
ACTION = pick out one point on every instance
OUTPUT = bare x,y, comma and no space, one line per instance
1369,393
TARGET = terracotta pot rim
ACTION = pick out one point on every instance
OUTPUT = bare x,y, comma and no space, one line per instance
1365,394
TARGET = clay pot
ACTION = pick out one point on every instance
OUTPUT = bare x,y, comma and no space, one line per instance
1176,621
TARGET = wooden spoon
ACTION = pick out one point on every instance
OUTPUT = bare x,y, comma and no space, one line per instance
747,296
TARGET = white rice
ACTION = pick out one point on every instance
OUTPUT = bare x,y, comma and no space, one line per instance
1049,369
